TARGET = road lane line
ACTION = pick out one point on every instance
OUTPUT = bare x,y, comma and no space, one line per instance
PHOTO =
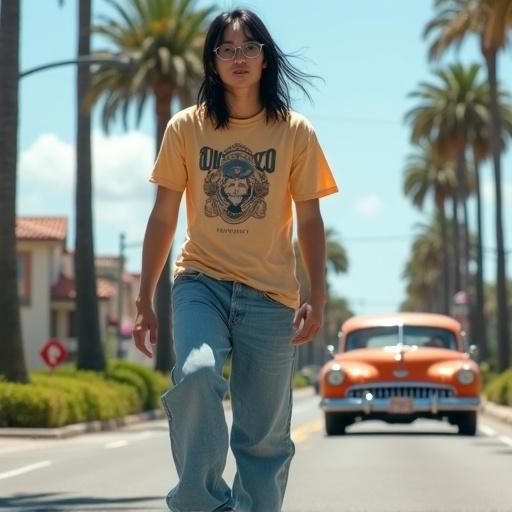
300,434
506,440
116,444
25,469
488,431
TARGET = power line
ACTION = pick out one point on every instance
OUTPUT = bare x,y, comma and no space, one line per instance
377,238
355,120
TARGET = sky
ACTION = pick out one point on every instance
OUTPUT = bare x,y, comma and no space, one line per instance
369,54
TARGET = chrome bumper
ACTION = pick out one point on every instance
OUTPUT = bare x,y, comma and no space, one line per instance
382,405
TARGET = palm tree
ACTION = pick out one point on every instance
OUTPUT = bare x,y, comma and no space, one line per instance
424,269
489,20
423,176
12,358
481,149
90,350
446,116
164,40
336,262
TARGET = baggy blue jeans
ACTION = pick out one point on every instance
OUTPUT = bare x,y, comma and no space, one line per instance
212,319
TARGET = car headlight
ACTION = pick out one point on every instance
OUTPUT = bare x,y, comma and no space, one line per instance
335,376
466,375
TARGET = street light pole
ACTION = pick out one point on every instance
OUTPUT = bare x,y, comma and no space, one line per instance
122,61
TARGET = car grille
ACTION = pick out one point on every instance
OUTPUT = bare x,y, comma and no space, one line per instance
413,391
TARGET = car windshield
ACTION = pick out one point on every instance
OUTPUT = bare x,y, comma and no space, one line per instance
376,337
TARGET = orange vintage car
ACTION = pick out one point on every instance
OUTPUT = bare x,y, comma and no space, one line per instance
400,367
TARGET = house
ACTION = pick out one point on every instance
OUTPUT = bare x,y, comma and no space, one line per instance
46,289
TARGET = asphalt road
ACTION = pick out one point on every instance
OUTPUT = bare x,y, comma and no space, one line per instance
376,467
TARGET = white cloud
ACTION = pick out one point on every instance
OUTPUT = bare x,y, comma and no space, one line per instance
122,197
369,205
122,164
48,162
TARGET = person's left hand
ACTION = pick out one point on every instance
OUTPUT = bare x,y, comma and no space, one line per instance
308,321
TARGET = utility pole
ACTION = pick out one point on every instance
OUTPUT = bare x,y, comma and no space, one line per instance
120,296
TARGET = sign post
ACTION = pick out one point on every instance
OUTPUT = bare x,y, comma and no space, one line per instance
53,353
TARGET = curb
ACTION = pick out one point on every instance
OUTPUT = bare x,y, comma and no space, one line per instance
83,428
495,411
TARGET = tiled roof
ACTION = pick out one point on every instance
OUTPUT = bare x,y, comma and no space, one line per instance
41,228
64,289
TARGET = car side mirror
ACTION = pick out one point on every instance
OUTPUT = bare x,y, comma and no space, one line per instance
330,350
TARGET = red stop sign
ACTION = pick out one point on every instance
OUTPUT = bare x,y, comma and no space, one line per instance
53,353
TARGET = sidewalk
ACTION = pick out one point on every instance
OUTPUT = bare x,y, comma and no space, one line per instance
497,412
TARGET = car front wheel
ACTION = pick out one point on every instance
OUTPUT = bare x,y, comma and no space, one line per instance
466,422
336,423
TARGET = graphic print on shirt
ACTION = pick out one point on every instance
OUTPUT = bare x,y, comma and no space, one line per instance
236,184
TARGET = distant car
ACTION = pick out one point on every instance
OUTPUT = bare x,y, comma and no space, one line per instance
400,367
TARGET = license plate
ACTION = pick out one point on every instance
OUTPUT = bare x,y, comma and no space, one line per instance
400,405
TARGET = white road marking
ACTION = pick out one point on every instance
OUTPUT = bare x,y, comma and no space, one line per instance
116,444
506,440
488,431
25,469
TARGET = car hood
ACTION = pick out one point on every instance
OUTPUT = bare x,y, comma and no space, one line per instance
408,363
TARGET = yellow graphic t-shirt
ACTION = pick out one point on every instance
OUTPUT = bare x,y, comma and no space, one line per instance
240,183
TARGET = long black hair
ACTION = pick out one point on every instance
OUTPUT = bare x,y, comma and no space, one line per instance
275,78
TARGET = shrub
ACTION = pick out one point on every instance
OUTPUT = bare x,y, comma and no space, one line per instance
130,378
300,381
488,374
156,383
28,405
90,396
499,389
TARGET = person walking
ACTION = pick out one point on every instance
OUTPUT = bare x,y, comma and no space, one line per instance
244,158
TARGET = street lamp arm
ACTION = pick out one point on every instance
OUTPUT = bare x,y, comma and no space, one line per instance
122,62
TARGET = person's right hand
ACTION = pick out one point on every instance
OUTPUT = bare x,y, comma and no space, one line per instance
145,321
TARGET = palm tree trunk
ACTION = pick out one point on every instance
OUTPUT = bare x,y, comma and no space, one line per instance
165,356
503,351
456,246
479,331
12,357
465,284
463,194
446,260
90,349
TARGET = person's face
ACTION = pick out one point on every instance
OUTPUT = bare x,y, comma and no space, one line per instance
241,72
235,189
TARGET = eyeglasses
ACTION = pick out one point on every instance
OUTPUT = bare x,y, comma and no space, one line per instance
227,51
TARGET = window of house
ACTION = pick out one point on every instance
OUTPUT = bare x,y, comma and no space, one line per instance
23,263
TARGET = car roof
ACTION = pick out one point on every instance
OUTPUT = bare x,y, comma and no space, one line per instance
405,318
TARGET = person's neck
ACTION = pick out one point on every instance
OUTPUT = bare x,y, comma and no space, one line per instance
243,104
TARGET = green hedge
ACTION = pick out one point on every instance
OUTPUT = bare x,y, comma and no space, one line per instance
150,384
300,381
91,396
73,396
28,405
499,389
